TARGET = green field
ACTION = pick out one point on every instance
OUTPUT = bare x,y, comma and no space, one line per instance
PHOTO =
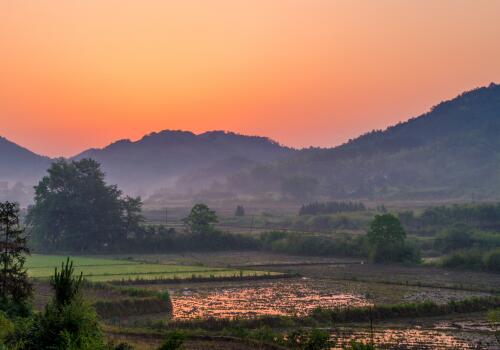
102,269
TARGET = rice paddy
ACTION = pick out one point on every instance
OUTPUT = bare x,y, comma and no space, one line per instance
106,270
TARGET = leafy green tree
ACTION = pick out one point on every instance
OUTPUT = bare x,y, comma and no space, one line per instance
76,210
201,219
132,216
387,240
386,229
15,289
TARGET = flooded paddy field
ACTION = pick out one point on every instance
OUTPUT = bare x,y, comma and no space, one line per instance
327,283
297,296
323,282
404,275
277,299
418,339
460,333
471,331
333,268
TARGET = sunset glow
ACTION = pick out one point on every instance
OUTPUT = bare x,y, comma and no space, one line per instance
80,74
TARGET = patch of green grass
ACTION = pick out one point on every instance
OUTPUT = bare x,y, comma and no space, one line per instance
174,275
44,261
102,270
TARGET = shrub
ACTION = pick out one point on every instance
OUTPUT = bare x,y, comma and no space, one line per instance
174,340
491,260
454,238
6,327
355,345
396,252
73,326
67,322
65,286
474,259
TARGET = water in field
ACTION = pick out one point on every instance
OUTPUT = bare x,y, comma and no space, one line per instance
418,339
287,298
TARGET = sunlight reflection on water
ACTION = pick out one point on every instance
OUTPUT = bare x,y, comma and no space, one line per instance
278,299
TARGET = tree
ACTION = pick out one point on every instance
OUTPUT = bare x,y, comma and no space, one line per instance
76,210
386,229
240,211
132,217
201,219
68,322
15,289
387,241
66,287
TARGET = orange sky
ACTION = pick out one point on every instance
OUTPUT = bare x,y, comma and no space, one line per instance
78,74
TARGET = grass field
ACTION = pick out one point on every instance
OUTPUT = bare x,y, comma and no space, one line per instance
102,269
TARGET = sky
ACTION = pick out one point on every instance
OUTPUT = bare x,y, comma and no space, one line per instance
79,74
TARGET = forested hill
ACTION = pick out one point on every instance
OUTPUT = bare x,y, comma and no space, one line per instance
451,151
18,164
161,159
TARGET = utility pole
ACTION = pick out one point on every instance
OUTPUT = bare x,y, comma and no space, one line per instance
166,216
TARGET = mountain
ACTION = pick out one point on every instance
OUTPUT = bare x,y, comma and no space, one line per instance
182,159
20,164
452,151
20,169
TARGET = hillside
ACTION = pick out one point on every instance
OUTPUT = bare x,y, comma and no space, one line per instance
453,151
182,158
20,164
450,152
20,169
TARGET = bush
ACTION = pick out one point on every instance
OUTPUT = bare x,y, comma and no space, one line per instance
307,244
474,259
71,326
174,340
454,238
491,260
396,252
6,327
355,345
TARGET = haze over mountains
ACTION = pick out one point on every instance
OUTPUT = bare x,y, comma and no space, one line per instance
450,152
20,164
160,159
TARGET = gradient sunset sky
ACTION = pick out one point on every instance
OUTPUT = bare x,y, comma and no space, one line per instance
80,74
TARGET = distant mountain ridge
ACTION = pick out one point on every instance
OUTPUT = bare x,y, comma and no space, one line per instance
19,164
159,159
451,151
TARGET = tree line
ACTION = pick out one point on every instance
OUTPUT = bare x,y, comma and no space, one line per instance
317,208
